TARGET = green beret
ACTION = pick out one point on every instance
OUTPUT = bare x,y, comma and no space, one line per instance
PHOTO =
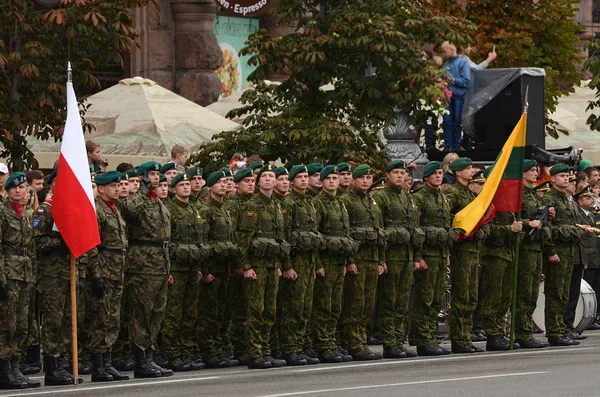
528,164
124,176
584,165
215,177
130,173
281,171
241,174
297,169
15,179
395,164
479,177
344,167
167,167
363,169
542,187
460,164
227,171
51,177
430,168
105,178
265,168
558,168
194,171
255,165
586,191
330,169
313,168
149,166
162,178
179,178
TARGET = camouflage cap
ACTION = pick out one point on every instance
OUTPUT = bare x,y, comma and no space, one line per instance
559,168
194,171
313,168
344,167
361,170
528,164
279,171
395,164
431,167
265,168
460,164
168,167
148,166
15,179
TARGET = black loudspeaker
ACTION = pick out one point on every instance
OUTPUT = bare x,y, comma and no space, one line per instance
495,121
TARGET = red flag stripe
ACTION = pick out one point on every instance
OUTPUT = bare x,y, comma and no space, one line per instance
508,196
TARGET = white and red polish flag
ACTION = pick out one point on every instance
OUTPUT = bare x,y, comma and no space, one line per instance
73,207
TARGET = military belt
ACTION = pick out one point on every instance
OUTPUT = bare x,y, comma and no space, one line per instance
10,252
148,243
113,251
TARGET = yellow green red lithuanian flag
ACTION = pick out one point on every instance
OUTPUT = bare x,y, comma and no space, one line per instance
503,186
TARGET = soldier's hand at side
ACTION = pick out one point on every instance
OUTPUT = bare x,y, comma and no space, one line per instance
279,273
320,272
351,269
171,280
200,276
517,226
250,274
416,266
554,259
535,224
209,278
424,264
385,268
3,290
585,266
290,274
551,213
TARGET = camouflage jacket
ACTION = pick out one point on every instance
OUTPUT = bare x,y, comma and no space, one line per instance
51,251
334,225
235,207
108,259
564,233
500,242
434,220
300,226
18,244
529,212
459,196
185,249
219,235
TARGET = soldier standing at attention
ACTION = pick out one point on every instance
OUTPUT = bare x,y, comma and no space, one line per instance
314,179
430,273
558,263
464,263
296,288
197,183
186,253
334,226
262,249
530,260
345,173
404,240
54,287
16,277
148,265
106,267
169,170
282,187
367,264
162,190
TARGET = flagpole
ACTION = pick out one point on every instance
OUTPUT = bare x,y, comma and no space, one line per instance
73,275
513,308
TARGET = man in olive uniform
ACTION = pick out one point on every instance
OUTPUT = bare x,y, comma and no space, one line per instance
197,183
558,264
530,260
282,187
296,288
169,170
186,253
147,265
314,179
404,240
106,267
262,250
464,262
345,176
360,284
430,273
16,278
219,235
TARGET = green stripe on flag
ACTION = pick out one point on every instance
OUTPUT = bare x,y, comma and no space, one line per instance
514,168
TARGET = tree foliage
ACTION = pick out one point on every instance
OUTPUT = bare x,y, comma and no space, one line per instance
370,57
35,45
527,33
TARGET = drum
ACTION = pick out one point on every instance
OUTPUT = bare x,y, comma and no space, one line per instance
585,313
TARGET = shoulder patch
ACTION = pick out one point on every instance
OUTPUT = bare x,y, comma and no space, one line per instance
250,214
36,223
40,211
283,212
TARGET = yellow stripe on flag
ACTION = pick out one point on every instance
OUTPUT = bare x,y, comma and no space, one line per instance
468,217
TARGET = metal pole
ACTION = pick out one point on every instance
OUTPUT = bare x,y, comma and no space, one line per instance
513,307
74,318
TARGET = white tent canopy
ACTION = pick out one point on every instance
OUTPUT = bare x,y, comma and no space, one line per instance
137,120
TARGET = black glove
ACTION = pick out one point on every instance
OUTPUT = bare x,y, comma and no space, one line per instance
3,290
146,182
98,287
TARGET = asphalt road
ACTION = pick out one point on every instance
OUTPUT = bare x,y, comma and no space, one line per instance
556,371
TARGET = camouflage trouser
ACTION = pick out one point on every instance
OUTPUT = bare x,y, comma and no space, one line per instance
55,299
327,307
33,332
275,340
359,300
393,297
13,324
556,288
211,318
261,306
237,300
464,276
104,315
122,346
497,279
528,286
84,318
430,285
148,303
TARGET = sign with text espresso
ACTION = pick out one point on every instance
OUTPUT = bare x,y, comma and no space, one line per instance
246,8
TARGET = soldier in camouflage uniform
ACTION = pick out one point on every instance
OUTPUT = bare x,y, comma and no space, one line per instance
197,183
360,284
297,285
148,267
558,263
186,254
262,250
16,278
219,235
530,260
106,267
404,240
282,187
314,179
430,273
464,263
345,176
334,225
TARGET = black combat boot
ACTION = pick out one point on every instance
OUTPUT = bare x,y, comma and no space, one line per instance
393,352
294,360
110,369
429,350
496,343
33,359
8,380
150,359
32,384
125,364
55,376
259,363
330,357
142,369
99,374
